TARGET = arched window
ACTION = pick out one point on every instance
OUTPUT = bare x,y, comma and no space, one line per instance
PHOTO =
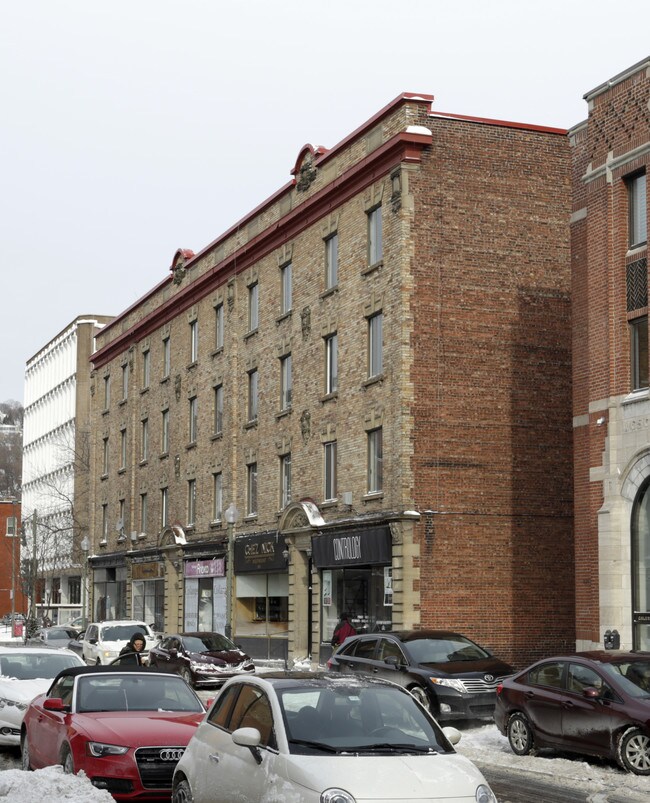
641,568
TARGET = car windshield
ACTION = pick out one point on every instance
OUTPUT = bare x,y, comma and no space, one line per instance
353,717
59,635
632,676
122,632
209,642
29,666
135,692
444,650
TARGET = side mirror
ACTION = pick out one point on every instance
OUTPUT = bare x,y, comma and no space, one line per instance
392,660
92,641
453,734
173,652
55,704
251,738
591,692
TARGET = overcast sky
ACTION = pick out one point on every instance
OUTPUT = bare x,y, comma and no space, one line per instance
131,128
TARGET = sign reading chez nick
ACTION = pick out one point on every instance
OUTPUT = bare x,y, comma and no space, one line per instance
360,547
260,553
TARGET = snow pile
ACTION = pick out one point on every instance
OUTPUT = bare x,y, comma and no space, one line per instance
50,784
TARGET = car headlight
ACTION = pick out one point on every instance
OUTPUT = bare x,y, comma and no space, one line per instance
100,750
451,683
109,653
484,794
5,701
336,796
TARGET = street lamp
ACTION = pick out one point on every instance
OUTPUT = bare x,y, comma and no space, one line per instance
231,517
85,546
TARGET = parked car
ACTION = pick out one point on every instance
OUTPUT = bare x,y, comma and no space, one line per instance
24,673
76,644
446,672
103,641
313,737
78,623
58,636
594,703
202,658
125,728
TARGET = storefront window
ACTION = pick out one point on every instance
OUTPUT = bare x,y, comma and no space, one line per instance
149,601
262,604
364,593
109,593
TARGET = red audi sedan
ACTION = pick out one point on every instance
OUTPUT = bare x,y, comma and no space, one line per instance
126,728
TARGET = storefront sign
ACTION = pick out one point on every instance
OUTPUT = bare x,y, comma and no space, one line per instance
360,547
260,553
205,568
146,571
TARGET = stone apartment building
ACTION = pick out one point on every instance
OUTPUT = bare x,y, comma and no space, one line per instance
370,375
611,402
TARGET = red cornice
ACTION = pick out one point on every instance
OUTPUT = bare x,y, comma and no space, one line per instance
403,147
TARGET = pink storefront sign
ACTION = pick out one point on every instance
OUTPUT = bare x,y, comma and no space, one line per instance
205,568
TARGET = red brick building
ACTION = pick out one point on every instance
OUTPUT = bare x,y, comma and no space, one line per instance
611,403
10,577
374,366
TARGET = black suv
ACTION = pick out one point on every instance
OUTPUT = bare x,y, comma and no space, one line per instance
450,675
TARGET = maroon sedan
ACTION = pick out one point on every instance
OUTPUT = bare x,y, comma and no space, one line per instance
126,728
594,703
202,658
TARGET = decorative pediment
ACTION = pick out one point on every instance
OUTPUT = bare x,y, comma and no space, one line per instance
173,535
181,257
305,168
298,515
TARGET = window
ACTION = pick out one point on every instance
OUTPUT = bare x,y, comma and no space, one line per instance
193,419
253,307
105,456
125,380
164,440
218,410
331,261
194,341
639,352
636,188
252,394
251,490
331,364
191,502
167,357
217,496
144,440
74,590
375,460
104,523
375,362
11,526
121,520
329,490
146,368
285,480
375,248
285,382
107,392
164,507
122,449
218,326
285,291
144,511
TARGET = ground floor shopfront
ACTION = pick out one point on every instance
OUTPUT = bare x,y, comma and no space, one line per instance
290,585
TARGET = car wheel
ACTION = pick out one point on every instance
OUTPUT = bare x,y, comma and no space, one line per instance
182,793
185,673
420,694
634,751
66,760
520,735
24,753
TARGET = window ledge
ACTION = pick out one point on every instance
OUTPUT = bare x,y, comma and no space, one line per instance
330,291
372,496
164,455
635,250
329,397
164,379
251,333
217,351
282,413
122,402
105,411
329,503
372,380
217,524
192,365
643,394
144,390
104,477
251,424
217,436
283,316
191,445
122,470
371,268
250,517
143,462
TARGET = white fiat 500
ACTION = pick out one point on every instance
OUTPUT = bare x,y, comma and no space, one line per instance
301,737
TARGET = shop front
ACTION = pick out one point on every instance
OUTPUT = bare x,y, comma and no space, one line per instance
205,595
148,593
261,610
109,588
356,578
